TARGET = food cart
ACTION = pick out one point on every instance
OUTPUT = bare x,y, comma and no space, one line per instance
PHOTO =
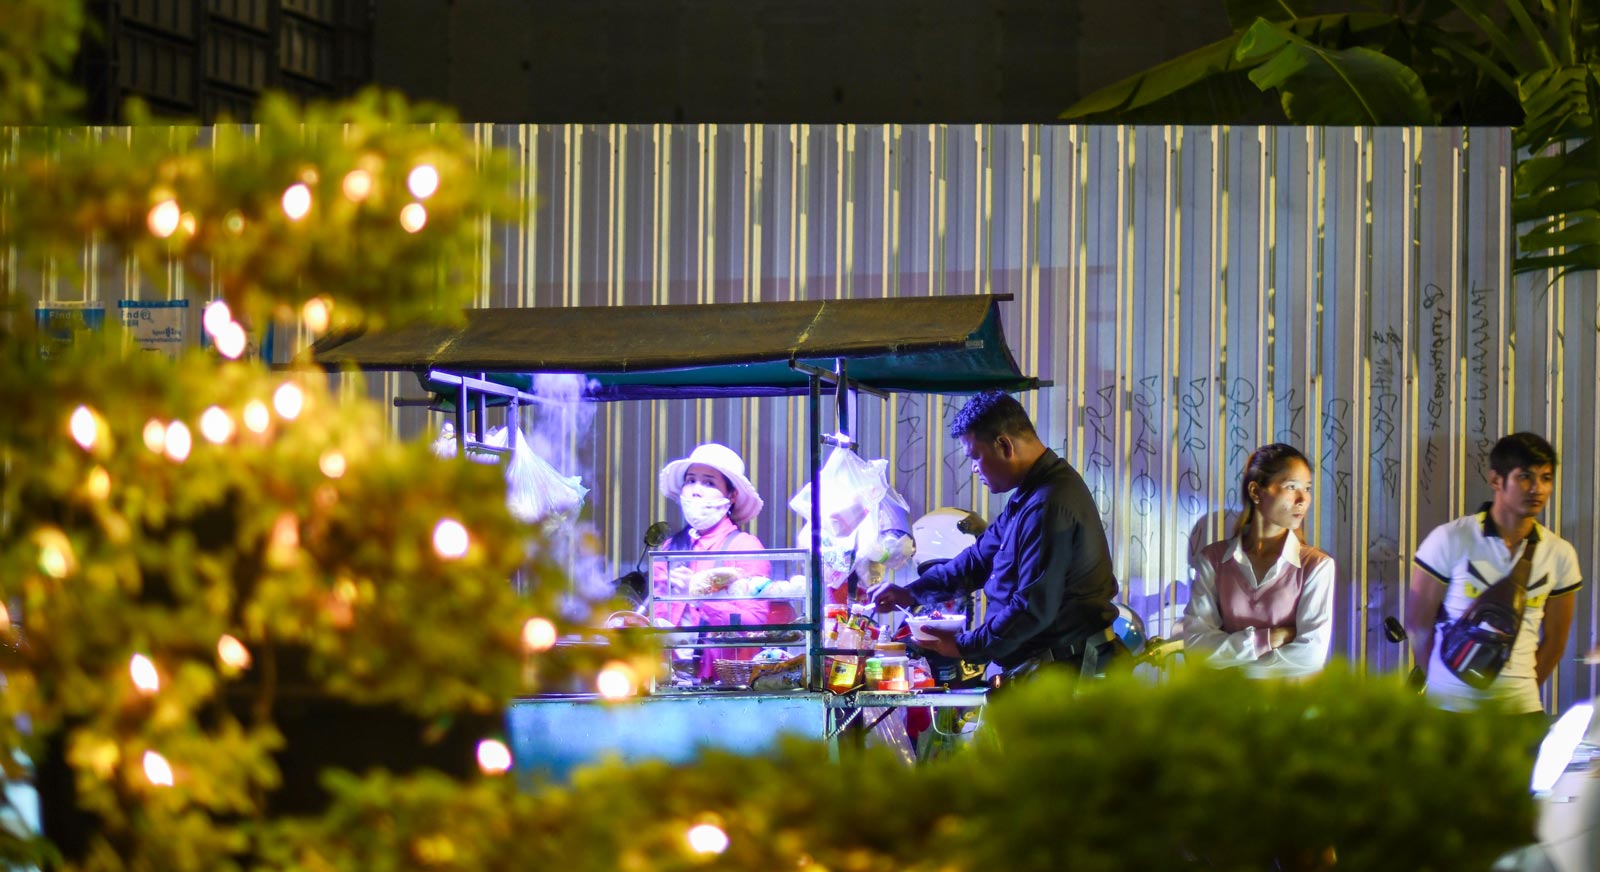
826,350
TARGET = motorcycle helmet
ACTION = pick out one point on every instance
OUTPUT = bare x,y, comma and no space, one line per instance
940,536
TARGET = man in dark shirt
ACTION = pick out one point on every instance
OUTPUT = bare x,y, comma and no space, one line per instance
1044,564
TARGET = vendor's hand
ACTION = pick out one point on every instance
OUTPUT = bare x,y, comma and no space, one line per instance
891,596
1277,637
678,580
943,642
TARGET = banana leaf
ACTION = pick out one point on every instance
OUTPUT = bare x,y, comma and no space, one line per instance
1352,86
1209,85
1243,13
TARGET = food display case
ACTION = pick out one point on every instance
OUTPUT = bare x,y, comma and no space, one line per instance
734,620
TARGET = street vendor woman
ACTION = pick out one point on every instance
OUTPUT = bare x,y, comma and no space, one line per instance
1044,563
716,497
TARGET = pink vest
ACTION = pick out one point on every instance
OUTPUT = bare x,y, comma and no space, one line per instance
1270,605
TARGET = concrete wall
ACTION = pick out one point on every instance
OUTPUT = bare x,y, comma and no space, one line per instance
775,60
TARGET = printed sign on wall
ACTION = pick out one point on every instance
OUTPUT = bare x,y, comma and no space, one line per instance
60,323
156,325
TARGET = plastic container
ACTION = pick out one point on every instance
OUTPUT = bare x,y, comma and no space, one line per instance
892,672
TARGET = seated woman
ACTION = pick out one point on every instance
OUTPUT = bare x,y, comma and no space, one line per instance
1262,600
716,497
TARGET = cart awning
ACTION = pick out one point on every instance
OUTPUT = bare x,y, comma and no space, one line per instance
911,344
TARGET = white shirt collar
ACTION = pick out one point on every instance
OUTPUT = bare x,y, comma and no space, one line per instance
1291,550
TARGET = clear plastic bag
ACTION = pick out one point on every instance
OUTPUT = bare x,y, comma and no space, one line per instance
535,490
850,488
865,521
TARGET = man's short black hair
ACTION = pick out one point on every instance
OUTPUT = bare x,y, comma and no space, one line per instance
990,415
1521,451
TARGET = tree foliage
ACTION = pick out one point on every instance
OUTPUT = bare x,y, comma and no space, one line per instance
1531,66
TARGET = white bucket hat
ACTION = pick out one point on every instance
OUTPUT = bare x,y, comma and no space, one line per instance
746,502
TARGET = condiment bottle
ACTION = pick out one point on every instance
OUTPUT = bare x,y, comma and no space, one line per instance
892,672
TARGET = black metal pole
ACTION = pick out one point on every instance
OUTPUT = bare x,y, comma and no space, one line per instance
814,660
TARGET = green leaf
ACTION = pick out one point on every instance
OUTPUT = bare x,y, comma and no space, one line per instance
1577,197
1208,85
1576,233
1355,86
1243,13
1586,259
1553,170
1557,104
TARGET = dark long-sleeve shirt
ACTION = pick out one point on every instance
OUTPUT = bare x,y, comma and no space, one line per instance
1044,565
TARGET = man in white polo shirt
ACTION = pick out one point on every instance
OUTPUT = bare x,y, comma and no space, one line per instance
1460,559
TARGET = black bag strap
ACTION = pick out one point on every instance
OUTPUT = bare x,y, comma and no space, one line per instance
1517,578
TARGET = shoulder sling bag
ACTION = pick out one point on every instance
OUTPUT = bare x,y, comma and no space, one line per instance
1477,645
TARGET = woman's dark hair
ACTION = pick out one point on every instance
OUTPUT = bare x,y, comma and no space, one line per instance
1264,463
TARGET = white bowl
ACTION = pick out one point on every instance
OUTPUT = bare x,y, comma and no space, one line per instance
948,622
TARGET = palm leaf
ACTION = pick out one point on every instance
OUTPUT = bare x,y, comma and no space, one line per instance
1557,186
1556,103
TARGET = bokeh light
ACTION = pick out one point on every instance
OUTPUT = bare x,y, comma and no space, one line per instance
616,680
163,218
217,316
357,185
494,758
289,400
231,340
85,428
413,217
155,435
98,484
707,839
296,201
144,674
216,425
538,634
423,181
315,314
232,652
178,442
55,552
286,532
332,463
257,418
157,769
450,539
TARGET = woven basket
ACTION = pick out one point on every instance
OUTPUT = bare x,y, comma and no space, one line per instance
743,673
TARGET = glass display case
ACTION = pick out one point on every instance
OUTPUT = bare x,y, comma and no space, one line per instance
733,619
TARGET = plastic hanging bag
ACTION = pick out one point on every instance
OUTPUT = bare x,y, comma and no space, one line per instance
446,446
883,539
850,488
535,491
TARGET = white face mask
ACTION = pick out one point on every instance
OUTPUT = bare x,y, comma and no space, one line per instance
703,513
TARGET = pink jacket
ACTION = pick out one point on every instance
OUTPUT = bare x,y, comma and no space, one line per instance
723,537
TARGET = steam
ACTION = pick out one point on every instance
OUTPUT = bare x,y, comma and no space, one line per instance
562,422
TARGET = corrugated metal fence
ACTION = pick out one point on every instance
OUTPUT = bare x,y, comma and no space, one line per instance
1191,291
